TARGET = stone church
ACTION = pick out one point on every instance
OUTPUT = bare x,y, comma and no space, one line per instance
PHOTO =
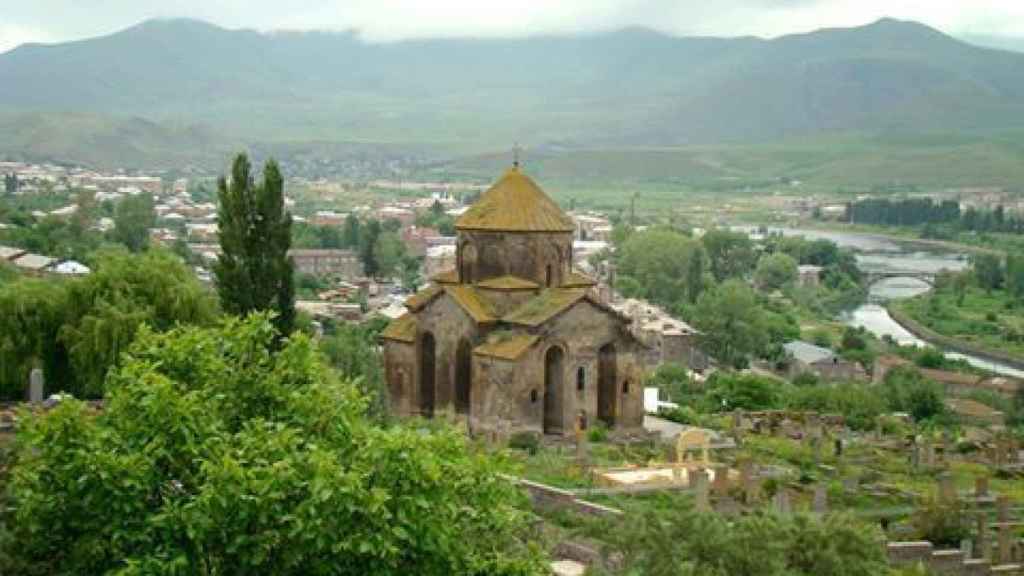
513,338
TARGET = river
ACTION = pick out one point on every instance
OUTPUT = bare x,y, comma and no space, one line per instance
880,254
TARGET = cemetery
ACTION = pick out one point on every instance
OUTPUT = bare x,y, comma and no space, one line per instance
787,463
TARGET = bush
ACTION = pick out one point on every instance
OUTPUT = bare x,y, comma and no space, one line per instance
675,540
944,524
906,390
806,379
727,392
526,441
598,432
680,415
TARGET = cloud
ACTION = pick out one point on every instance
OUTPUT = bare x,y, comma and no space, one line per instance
12,36
399,19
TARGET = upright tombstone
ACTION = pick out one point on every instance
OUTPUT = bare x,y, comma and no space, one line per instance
981,487
820,502
699,483
947,487
981,536
749,482
781,501
1003,508
36,391
720,483
1005,545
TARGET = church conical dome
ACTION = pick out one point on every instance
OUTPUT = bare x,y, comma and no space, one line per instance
515,204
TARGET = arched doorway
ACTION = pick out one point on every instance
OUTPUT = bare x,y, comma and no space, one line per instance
553,374
463,376
606,384
427,372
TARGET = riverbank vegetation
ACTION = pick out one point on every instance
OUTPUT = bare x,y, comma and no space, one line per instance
983,307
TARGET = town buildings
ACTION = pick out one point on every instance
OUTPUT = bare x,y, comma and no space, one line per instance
512,338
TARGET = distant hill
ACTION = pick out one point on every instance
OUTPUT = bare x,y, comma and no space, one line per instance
168,84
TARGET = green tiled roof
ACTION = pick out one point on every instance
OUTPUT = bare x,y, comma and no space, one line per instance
515,204
536,311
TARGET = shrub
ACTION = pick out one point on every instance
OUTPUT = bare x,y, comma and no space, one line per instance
598,432
526,441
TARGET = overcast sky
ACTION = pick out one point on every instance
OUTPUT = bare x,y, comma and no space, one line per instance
59,20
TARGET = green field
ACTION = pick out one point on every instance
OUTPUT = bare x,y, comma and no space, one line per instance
988,320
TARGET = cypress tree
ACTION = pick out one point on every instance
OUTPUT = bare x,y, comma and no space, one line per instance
254,272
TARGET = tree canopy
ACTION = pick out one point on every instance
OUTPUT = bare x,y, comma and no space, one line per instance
215,455
253,271
76,329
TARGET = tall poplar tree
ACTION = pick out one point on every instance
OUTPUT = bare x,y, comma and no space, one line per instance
253,271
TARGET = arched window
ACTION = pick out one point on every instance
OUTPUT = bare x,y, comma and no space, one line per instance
581,379
547,276
533,396
625,387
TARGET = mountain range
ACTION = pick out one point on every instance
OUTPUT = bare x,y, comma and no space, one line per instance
182,90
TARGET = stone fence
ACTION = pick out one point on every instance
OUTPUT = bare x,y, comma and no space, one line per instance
951,562
546,497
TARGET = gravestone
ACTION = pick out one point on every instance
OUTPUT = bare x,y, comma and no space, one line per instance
36,391
981,536
699,483
781,501
947,487
1005,546
981,487
1003,508
748,482
720,483
820,502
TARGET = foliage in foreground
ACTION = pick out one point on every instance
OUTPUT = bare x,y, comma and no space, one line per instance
678,541
215,456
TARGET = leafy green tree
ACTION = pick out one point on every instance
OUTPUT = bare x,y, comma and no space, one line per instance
368,236
76,330
659,261
695,269
1015,275
133,218
775,271
389,252
727,392
216,455
730,322
732,254
352,351
350,233
410,273
253,271
906,390
988,271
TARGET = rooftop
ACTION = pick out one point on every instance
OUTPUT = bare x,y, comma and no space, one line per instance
515,204
807,353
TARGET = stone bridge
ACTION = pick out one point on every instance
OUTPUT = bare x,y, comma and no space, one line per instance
874,276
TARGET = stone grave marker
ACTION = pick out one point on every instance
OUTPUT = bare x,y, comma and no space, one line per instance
699,483
820,502
36,392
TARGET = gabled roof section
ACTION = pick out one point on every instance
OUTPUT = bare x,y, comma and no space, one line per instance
401,329
506,345
508,282
548,303
578,280
515,204
474,303
417,301
446,277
